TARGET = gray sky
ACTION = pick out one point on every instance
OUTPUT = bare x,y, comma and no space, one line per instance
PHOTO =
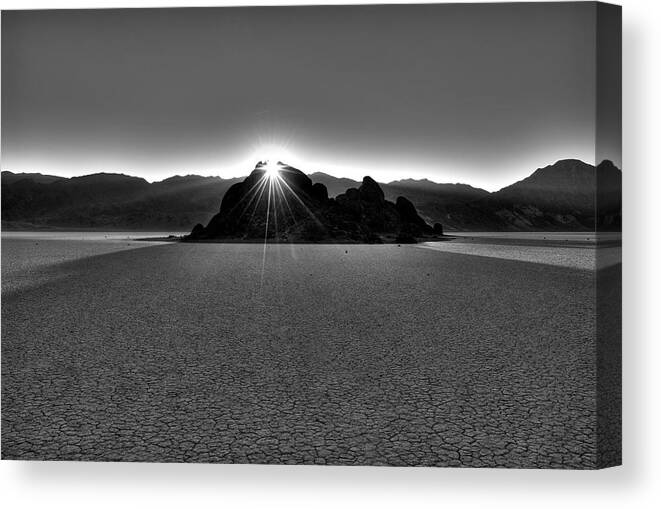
475,93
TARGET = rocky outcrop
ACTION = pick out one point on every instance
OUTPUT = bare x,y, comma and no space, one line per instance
289,207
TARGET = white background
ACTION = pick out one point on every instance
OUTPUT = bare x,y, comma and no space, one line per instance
636,484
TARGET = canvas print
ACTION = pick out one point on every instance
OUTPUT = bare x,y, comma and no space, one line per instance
321,235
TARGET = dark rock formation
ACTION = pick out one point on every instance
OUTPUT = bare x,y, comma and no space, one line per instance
370,191
198,229
289,207
408,213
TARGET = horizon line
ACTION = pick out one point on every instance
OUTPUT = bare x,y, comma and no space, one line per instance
181,175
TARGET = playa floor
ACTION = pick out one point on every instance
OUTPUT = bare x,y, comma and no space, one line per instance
323,354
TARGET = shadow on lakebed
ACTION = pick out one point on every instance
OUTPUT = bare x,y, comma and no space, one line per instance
277,203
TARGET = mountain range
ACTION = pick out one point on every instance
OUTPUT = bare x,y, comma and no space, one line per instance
560,197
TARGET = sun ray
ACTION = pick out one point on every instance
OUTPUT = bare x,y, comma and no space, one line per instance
256,197
266,230
275,207
278,183
301,202
259,198
252,193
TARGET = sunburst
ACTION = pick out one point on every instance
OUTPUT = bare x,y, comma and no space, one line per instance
271,169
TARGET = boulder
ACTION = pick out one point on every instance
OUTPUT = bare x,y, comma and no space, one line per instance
408,213
370,191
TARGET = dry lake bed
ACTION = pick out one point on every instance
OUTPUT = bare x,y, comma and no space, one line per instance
120,350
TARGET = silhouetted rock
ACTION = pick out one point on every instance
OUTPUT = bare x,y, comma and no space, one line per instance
438,229
289,207
319,192
407,211
370,191
198,229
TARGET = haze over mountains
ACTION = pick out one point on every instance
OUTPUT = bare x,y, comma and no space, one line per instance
560,197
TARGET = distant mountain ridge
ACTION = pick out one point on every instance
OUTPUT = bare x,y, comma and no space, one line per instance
107,200
9,177
569,195
560,197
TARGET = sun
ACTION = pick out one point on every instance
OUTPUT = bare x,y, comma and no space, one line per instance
272,156
271,169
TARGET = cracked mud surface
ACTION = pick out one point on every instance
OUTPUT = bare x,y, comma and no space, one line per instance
380,355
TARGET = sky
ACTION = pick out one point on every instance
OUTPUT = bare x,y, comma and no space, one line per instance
475,93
